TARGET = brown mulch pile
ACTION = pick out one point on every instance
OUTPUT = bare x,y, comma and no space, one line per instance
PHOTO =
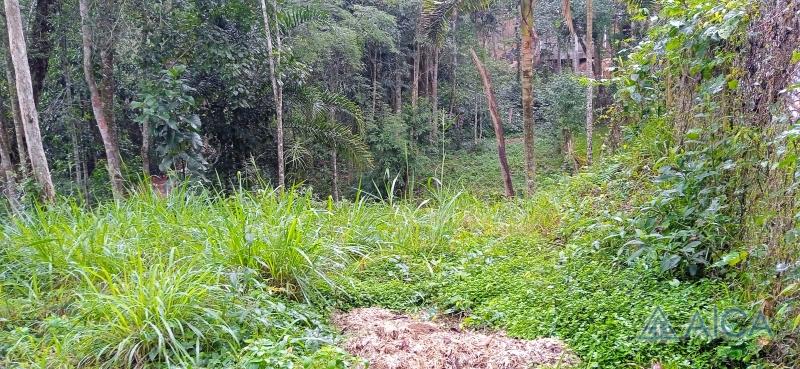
393,341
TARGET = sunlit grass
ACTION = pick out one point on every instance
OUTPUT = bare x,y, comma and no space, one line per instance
169,280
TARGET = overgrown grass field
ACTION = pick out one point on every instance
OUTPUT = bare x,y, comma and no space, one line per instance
248,280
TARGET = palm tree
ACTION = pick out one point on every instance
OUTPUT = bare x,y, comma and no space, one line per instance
319,112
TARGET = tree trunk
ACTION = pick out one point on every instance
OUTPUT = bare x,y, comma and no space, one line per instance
590,89
426,71
7,167
398,91
526,66
102,103
334,161
454,62
41,45
375,72
19,131
475,127
435,94
415,77
146,150
74,129
569,151
497,123
559,65
30,116
576,61
277,90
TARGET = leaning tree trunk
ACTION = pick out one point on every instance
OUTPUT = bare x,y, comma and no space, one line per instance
19,131
30,116
102,104
277,91
497,123
590,89
526,66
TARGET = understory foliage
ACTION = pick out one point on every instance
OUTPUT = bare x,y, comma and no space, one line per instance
166,108
714,124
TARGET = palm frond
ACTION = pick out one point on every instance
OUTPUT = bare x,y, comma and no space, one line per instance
322,101
435,14
289,19
341,138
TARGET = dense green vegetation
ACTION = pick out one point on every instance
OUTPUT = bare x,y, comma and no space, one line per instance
257,166
109,287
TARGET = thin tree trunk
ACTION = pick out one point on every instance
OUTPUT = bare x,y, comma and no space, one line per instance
19,130
375,83
559,65
426,71
475,127
435,94
576,62
30,116
480,126
526,66
590,89
415,77
41,45
497,123
102,104
277,90
334,161
455,62
569,150
146,150
74,129
398,91
7,167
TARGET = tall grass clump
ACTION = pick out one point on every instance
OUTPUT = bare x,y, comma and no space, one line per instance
165,281
164,311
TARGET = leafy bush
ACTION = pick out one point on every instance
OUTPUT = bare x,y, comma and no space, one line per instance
690,226
168,110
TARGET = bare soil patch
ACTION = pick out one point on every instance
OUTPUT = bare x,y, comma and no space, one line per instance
390,340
